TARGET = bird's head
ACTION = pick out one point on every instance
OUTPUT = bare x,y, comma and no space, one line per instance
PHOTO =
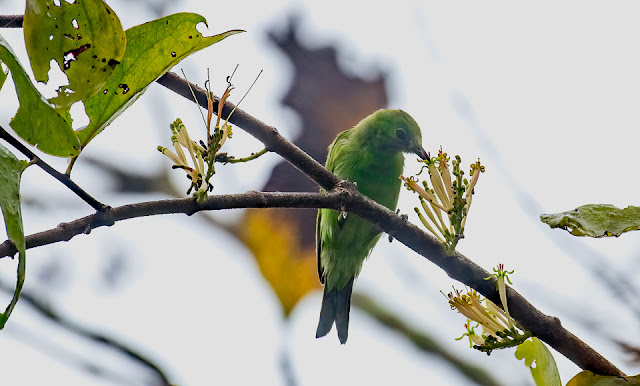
396,131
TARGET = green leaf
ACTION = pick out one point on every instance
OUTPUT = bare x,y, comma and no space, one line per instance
36,121
545,372
11,169
152,49
595,220
3,77
85,38
587,378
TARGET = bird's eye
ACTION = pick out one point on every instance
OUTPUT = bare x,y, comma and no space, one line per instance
401,135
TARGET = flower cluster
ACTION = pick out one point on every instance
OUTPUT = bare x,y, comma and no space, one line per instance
198,159
499,329
450,194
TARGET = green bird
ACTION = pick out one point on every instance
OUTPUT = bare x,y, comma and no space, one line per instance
369,155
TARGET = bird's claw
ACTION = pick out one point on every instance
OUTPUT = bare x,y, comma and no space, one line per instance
404,217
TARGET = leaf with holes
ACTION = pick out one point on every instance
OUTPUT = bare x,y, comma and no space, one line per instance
587,378
152,49
595,220
545,371
36,121
11,169
84,37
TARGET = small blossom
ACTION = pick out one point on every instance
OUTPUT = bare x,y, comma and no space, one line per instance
427,225
171,155
443,166
471,334
438,186
501,275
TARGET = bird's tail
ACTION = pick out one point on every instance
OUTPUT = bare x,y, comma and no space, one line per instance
335,307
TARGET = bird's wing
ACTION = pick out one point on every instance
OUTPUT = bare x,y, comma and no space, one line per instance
334,152
319,247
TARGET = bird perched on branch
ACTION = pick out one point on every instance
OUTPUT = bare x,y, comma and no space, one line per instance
371,156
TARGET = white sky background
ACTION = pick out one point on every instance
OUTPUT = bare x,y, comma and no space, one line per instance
545,94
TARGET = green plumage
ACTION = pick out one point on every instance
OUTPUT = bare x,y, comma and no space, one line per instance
370,155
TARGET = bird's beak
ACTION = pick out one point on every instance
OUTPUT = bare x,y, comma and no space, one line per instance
420,152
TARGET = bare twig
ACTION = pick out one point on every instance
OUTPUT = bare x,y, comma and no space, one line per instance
11,21
63,178
229,159
46,311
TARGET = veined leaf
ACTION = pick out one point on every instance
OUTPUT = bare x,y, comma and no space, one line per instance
36,121
595,220
84,37
545,371
11,169
152,49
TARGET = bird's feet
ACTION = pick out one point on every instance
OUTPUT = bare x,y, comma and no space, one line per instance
404,217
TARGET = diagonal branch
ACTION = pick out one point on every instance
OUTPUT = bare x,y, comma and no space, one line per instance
63,178
346,196
340,196
46,311
11,21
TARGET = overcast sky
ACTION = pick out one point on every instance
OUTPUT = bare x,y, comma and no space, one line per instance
545,94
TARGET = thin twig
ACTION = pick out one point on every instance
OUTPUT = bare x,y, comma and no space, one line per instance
229,159
63,178
45,310
11,21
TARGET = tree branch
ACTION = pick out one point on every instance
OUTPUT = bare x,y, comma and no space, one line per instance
63,178
346,196
66,231
340,196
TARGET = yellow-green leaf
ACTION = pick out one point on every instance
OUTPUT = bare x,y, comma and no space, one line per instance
152,49
595,220
36,121
11,169
85,38
587,378
545,371
3,76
